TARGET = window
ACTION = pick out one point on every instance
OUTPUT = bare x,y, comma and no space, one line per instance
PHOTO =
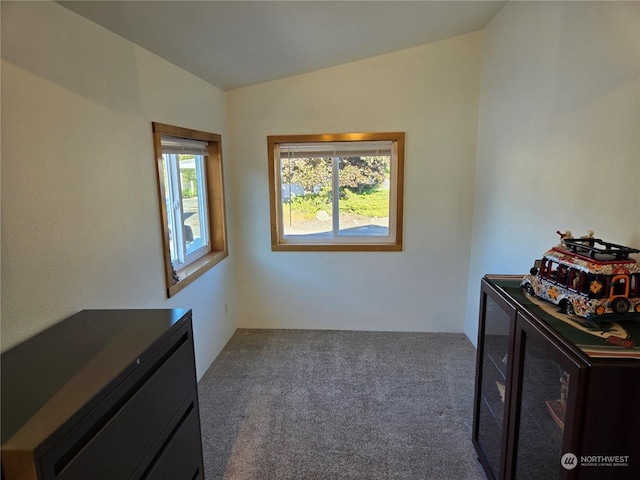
543,268
634,283
562,275
553,271
336,192
185,199
190,185
574,279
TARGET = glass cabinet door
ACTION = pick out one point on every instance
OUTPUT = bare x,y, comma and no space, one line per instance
543,398
490,417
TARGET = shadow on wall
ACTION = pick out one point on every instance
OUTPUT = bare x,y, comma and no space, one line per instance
604,70
104,79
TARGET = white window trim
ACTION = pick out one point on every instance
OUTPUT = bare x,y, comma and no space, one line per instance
336,237
182,258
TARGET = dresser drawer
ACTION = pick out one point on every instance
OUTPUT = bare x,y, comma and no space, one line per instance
181,456
113,440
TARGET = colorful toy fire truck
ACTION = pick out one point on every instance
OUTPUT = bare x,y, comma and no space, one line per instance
588,277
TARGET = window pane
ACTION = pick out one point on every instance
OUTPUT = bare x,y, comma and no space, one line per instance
364,196
306,196
168,196
193,217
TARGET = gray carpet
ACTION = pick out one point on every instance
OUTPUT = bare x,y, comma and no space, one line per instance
307,404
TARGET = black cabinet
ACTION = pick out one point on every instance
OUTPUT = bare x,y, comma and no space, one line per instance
104,394
553,399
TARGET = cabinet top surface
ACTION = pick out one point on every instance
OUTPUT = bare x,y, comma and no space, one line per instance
77,357
598,341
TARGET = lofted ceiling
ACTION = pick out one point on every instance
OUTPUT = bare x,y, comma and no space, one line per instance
232,44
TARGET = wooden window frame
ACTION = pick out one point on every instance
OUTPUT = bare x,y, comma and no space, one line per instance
178,280
277,243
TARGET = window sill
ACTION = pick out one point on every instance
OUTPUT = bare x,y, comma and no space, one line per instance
195,270
335,247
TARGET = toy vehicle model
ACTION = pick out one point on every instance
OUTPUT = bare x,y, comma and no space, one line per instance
589,278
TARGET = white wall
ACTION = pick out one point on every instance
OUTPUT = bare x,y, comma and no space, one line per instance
80,214
558,136
431,93
557,148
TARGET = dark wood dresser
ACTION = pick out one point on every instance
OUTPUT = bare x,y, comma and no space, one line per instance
557,396
103,395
